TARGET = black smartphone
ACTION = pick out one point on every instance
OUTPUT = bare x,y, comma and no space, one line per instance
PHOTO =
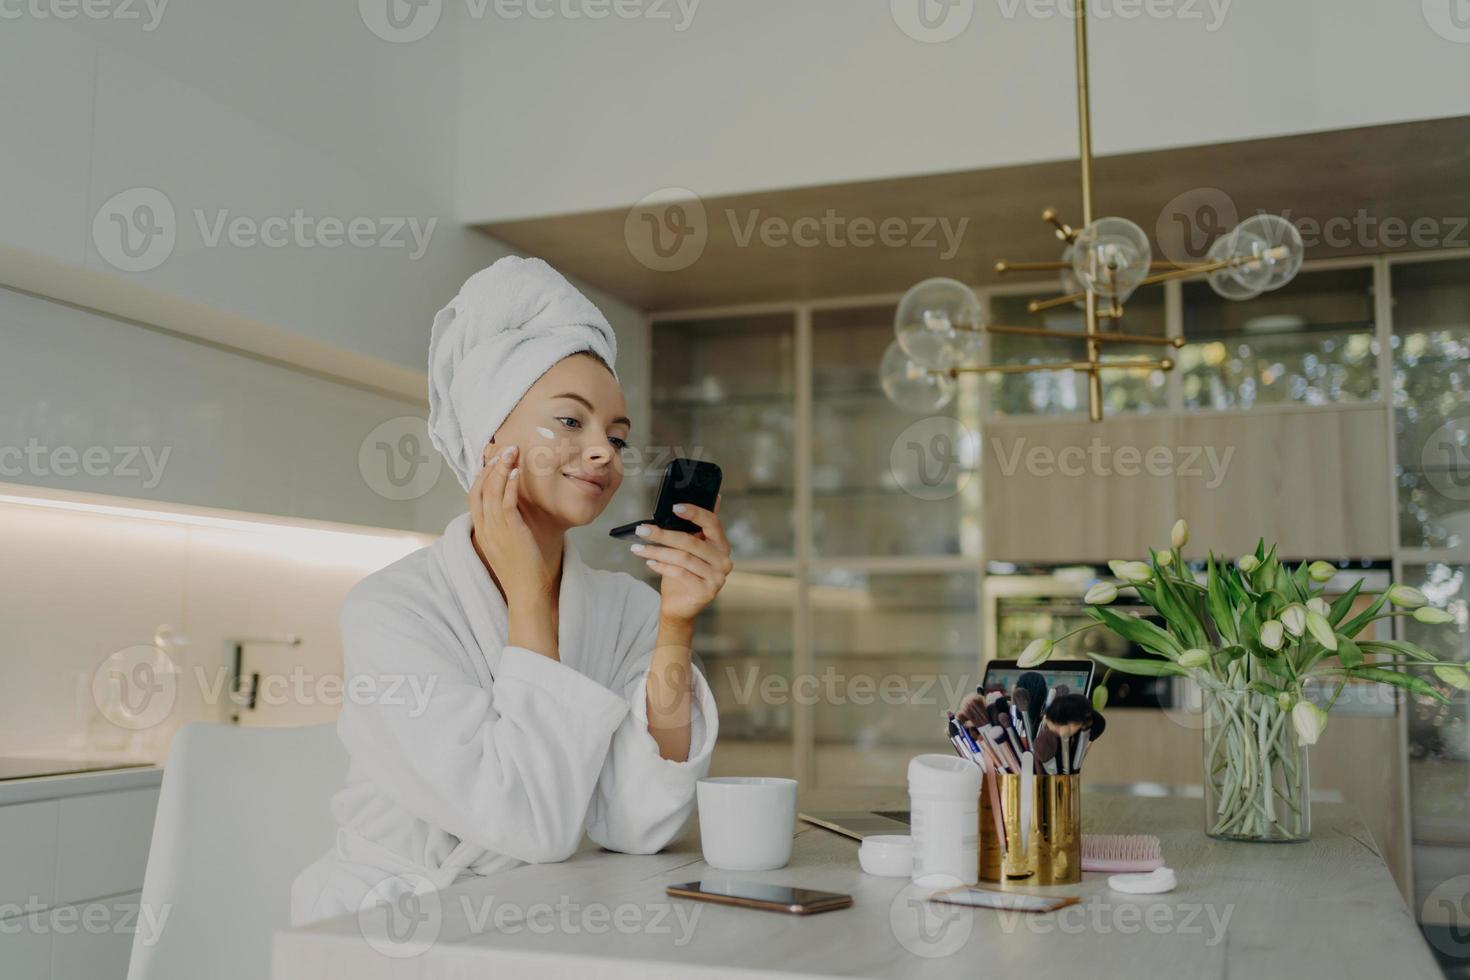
686,481
759,895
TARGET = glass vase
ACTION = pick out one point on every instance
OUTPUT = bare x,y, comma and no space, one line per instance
1256,783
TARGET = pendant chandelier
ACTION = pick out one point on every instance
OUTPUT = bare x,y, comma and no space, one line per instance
941,325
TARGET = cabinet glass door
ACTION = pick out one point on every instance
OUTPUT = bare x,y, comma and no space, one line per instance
891,652
743,644
1310,342
724,390
1431,378
1063,392
1439,770
869,496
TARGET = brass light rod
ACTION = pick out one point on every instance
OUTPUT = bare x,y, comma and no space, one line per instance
1104,338
1089,366
1003,266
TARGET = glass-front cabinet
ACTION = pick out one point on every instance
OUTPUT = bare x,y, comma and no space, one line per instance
726,390
891,651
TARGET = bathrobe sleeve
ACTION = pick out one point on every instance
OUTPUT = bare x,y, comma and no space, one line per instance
511,768
642,799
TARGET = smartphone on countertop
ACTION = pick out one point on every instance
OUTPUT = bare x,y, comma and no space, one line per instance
759,895
685,481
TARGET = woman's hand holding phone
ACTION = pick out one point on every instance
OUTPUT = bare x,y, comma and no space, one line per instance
693,567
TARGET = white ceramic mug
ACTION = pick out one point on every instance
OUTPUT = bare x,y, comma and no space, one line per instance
746,822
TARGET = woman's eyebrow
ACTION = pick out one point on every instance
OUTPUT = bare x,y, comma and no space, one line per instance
621,419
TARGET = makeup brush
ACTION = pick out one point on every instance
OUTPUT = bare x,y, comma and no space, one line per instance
1021,712
1034,685
1092,734
1069,714
1010,734
1045,748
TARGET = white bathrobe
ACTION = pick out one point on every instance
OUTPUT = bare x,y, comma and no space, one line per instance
511,756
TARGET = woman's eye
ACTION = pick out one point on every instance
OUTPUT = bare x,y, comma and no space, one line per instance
618,444
569,422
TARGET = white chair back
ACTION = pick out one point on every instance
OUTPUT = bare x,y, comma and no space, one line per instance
241,812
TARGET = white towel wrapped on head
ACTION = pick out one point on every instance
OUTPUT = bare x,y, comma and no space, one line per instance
507,327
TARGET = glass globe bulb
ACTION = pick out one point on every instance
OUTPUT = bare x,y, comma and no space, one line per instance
1280,247
1111,256
1070,283
1226,282
940,323
911,385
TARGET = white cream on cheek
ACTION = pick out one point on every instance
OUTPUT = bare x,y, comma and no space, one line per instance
544,432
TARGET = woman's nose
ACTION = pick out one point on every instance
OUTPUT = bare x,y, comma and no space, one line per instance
599,452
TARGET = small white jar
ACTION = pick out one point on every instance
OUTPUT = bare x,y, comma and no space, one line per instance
944,800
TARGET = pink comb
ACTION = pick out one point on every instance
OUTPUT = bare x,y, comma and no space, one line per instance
1118,853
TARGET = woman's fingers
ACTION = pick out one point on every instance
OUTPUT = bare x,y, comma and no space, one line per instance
510,492
710,524
683,559
702,548
498,475
668,570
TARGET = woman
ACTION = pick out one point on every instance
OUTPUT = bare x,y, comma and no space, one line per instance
555,699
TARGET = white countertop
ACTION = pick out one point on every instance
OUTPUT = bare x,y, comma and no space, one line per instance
78,784
1325,908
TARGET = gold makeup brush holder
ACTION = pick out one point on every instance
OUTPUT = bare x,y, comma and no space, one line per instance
1053,851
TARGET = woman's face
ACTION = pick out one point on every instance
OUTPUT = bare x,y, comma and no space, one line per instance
570,427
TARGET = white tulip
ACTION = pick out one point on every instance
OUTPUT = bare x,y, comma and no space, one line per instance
1319,606
1193,658
1433,616
1284,701
1137,572
1035,654
1406,596
1321,571
1455,675
1165,559
1271,634
1100,697
1248,563
1101,594
1116,567
1294,618
1309,721
1179,536
1321,630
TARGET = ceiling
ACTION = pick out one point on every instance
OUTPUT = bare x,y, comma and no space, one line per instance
1404,187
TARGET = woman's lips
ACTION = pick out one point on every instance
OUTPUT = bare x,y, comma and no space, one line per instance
591,485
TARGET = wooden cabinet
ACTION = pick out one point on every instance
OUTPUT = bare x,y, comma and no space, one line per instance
1315,480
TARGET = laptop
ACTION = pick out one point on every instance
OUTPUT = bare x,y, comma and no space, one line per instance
1074,675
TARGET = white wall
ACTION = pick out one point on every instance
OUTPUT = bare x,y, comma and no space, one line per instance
567,115
252,110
